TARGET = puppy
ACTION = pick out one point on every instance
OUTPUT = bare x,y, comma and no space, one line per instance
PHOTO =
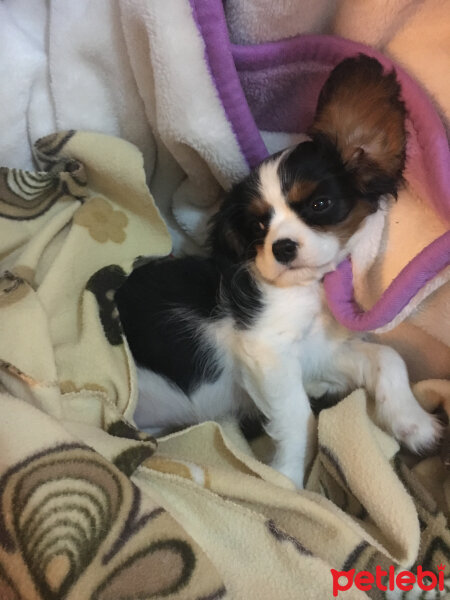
249,325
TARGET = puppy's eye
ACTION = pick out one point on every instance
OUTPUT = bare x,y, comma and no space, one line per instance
321,204
259,226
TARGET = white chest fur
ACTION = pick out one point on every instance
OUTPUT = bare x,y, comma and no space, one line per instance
294,327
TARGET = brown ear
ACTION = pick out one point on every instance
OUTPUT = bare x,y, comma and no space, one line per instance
360,111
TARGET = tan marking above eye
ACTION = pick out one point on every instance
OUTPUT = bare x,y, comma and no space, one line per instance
259,207
301,190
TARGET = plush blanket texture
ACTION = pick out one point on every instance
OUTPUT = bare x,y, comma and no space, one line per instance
90,507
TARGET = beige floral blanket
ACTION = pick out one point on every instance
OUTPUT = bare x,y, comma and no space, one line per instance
90,508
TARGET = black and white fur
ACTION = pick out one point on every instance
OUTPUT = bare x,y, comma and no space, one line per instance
249,325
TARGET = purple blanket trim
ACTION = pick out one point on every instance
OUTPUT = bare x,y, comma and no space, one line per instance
210,19
339,288
429,160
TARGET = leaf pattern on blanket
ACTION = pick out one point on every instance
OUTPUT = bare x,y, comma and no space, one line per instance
12,289
435,533
126,430
8,590
25,195
48,150
103,285
434,524
335,487
282,536
73,526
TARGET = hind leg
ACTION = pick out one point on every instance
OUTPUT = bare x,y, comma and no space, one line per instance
382,371
161,405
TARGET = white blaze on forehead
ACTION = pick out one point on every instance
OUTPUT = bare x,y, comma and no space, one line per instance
270,186
284,222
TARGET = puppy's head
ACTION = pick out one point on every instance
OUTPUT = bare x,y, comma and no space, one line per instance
294,216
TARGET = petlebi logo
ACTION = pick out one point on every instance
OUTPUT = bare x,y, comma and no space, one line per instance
396,585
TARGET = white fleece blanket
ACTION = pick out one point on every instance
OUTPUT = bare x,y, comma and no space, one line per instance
136,69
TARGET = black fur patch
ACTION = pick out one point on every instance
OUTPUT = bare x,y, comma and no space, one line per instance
162,305
252,426
103,285
328,400
241,296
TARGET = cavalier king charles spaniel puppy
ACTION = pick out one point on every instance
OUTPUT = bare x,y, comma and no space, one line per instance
248,326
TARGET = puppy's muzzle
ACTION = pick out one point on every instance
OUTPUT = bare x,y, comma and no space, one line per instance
285,250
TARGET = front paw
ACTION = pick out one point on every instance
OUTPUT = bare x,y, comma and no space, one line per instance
417,429
291,469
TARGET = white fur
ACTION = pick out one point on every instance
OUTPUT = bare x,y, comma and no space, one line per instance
162,405
294,345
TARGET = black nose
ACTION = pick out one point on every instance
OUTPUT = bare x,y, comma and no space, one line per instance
285,250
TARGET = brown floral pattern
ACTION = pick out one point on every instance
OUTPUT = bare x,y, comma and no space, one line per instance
25,195
12,288
73,526
102,221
